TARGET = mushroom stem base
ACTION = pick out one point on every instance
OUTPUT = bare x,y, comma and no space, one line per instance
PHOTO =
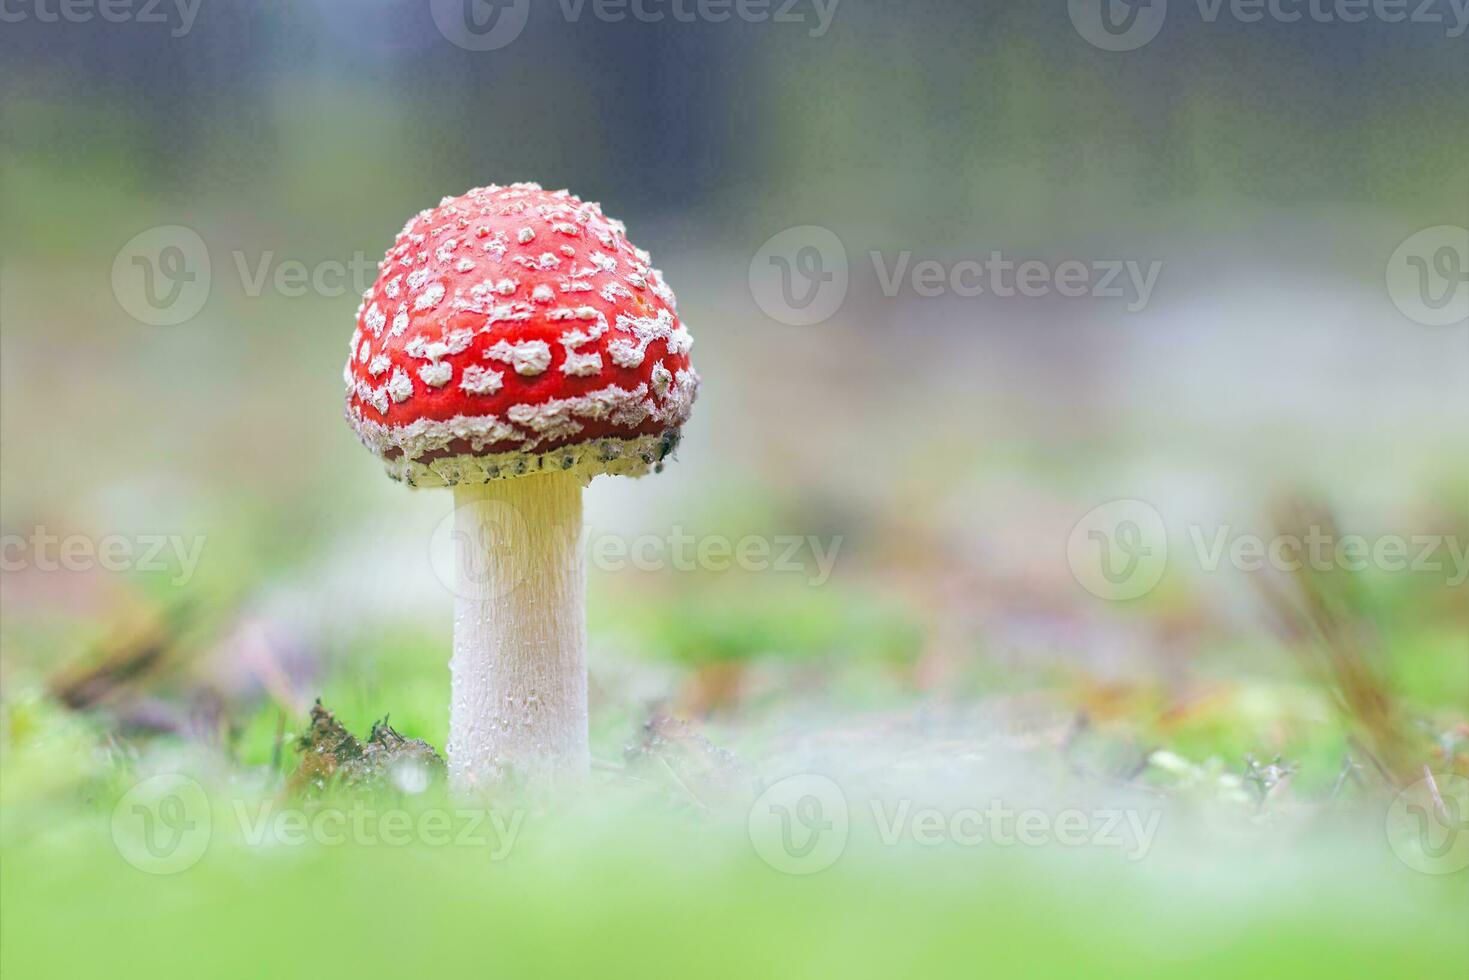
519,673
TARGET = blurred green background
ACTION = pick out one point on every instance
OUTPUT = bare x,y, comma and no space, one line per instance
942,448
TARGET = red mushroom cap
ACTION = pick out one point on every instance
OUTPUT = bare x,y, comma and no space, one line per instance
512,330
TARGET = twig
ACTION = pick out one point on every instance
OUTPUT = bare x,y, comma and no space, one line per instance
1438,803
692,795
1348,771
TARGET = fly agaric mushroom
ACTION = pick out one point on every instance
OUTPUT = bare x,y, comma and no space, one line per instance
515,345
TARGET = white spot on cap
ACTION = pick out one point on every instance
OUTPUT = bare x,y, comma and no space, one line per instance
498,245
436,374
430,297
481,380
625,353
581,365
459,340
528,357
375,320
400,386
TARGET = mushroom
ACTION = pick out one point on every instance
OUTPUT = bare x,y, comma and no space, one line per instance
514,345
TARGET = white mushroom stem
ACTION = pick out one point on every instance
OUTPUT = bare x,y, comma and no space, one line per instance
519,669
